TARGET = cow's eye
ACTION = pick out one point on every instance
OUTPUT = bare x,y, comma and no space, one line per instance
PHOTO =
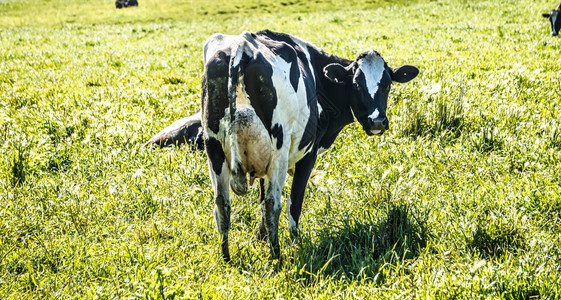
357,86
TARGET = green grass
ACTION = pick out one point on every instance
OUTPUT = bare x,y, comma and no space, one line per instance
460,199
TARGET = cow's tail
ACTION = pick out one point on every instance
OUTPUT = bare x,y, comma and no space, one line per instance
238,179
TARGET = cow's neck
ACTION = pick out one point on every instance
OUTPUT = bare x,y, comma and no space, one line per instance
334,98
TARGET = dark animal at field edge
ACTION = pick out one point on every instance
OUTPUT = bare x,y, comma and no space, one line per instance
555,20
271,102
185,130
125,3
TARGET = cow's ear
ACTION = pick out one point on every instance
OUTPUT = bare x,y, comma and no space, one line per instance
546,15
336,72
404,73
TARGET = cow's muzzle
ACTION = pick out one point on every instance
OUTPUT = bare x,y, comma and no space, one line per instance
378,125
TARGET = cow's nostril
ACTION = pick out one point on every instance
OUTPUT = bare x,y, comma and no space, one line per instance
385,123
379,123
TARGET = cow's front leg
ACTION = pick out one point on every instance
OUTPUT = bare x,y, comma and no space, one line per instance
219,177
302,172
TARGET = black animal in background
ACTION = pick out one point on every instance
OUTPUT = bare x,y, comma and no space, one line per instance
555,19
185,130
125,3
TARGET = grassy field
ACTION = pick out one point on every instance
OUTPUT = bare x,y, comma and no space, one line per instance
460,199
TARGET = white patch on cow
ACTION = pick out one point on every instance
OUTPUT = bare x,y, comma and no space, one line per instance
373,68
321,150
320,109
197,115
215,43
297,119
245,36
374,114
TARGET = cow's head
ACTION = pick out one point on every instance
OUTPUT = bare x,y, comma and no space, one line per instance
371,79
555,19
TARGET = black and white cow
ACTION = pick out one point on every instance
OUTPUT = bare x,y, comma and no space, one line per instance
271,102
555,19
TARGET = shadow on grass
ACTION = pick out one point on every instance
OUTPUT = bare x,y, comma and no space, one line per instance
493,238
357,247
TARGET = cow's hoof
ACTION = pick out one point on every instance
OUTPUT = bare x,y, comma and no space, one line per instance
262,234
293,235
275,253
225,251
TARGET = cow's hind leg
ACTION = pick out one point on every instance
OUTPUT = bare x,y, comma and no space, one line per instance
270,210
220,182
271,204
214,104
262,233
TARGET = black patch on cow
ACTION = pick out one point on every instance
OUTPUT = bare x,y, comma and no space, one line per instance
215,83
215,154
360,107
328,140
260,89
294,76
277,133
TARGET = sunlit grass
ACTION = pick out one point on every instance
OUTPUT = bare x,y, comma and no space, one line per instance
461,198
